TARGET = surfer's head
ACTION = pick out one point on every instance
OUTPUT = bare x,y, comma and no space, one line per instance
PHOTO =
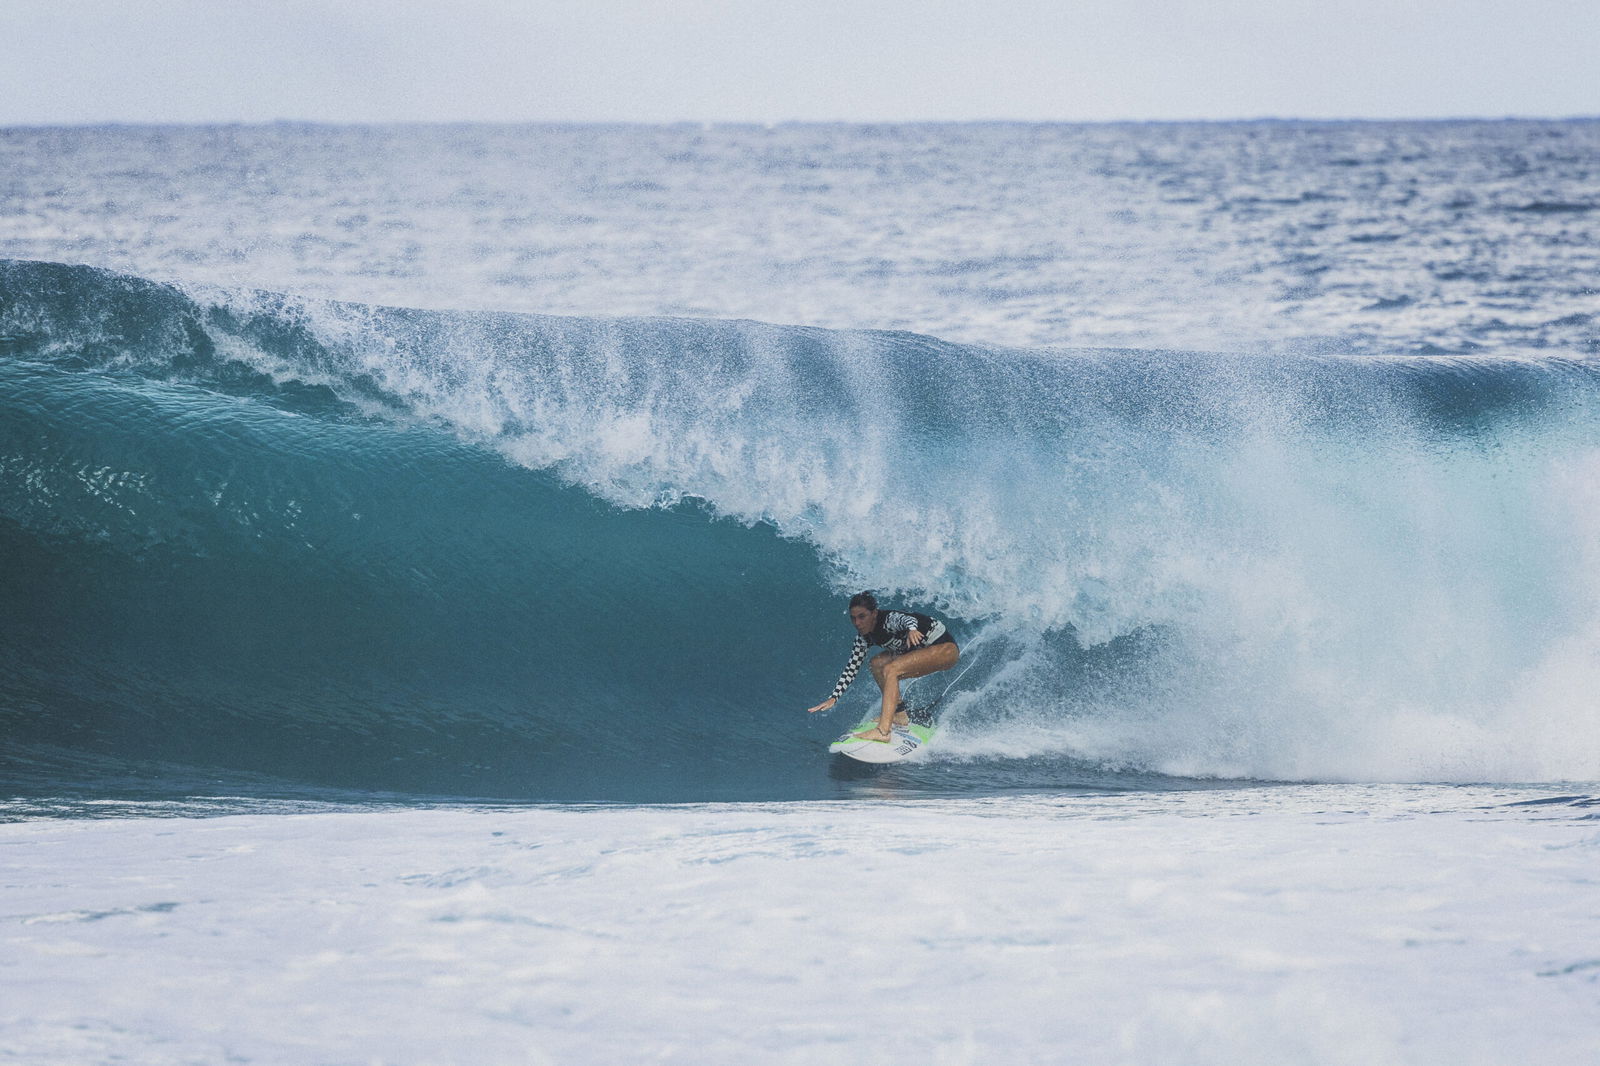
863,612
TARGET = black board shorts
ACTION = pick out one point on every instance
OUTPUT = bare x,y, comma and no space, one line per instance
943,638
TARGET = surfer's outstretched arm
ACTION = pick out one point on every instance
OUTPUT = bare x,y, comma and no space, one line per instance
858,652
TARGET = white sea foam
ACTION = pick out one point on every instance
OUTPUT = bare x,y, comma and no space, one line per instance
1280,600
1326,925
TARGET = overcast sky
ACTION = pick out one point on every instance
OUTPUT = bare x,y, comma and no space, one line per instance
75,61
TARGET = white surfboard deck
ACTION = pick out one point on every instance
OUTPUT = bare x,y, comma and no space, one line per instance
903,741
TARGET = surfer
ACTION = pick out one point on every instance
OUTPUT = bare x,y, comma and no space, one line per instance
915,645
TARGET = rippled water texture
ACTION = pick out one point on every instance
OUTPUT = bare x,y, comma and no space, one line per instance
1362,237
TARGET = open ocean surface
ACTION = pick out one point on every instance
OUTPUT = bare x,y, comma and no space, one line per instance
373,484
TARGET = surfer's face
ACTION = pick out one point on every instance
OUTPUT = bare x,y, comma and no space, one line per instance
863,619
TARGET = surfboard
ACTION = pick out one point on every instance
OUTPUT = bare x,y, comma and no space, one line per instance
903,741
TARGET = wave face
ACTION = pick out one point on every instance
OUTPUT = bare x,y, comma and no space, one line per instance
257,539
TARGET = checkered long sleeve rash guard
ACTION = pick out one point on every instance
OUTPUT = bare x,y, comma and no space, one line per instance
893,626
858,652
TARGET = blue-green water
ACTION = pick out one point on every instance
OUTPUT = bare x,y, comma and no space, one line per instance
267,526
269,544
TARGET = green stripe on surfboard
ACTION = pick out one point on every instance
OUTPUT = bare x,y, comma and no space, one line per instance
923,733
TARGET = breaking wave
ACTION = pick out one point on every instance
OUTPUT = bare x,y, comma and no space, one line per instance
256,538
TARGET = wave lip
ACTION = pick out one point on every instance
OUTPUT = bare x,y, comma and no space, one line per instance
543,557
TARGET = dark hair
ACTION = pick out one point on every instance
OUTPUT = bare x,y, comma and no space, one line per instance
864,599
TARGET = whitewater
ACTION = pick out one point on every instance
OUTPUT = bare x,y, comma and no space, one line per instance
421,544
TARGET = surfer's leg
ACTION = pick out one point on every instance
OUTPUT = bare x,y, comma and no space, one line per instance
880,662
883,673
919,662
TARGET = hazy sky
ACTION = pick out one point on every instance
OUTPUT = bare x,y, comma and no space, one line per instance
71,61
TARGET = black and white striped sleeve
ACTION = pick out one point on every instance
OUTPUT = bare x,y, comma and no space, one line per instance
899,622
858,652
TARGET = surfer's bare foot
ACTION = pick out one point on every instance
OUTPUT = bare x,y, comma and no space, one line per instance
874,733
900,716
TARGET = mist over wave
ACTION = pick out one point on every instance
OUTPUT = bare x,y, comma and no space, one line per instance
540,557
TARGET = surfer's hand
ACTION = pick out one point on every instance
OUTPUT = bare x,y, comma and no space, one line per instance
914,638
824,705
